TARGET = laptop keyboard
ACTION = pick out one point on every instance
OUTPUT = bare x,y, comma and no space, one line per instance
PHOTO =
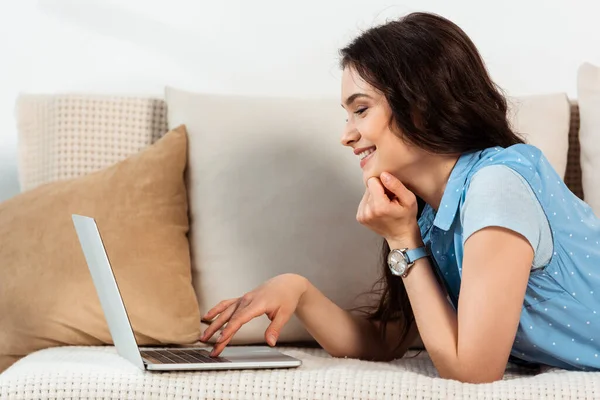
181,356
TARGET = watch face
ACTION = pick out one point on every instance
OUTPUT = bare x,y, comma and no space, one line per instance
397,263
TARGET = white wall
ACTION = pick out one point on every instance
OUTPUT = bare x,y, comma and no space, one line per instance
260,47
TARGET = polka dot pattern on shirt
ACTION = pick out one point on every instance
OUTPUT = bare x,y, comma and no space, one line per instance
559,321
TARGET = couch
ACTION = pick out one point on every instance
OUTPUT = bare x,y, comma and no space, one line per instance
96,371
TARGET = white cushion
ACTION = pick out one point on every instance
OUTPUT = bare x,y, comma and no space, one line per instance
99,373
588,94
543,121
272,191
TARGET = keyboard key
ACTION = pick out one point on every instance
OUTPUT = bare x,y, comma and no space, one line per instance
181,356
158,356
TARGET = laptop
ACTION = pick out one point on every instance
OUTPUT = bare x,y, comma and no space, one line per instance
163,358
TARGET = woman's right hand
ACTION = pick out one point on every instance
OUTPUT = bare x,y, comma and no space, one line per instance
278,298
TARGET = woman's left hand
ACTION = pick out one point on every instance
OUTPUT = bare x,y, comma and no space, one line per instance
394,219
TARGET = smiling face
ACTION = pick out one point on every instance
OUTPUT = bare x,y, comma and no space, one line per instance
369,132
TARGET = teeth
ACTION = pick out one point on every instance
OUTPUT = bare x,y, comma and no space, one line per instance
365,153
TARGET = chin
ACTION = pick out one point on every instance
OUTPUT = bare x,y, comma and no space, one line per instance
369,174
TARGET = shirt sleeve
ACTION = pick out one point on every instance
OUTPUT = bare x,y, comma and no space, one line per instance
499,196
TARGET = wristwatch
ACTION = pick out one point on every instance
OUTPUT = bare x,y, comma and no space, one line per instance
400,260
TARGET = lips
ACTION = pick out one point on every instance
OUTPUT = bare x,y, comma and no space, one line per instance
363,149
365,154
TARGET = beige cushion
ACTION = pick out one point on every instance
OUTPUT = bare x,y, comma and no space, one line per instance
47,297
588,94
543,121
66,136
272,191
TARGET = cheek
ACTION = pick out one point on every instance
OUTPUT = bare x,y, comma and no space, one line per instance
370,128
386,156
391,157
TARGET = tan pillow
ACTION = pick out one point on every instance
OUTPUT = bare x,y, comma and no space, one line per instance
47,297
588,94
69,135
544,120
272,191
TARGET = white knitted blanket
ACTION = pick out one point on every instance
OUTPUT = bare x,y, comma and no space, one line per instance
99,373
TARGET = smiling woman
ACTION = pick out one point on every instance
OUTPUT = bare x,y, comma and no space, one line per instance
483,249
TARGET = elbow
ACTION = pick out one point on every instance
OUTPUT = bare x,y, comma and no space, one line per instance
378,355
339,353
474,378
474,374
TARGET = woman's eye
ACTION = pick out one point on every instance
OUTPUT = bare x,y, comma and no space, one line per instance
360,111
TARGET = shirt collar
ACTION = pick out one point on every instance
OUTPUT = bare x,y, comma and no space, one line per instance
454,190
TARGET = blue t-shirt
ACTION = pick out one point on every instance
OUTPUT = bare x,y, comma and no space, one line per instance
498,196
560,321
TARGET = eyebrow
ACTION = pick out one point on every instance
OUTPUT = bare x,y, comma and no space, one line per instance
355,96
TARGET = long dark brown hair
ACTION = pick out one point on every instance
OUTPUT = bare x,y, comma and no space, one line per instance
442,100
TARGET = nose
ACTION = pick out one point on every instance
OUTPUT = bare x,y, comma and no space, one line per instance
350,135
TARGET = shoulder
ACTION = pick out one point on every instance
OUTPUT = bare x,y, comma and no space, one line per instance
495,177
495,189
498,187
523,158
515,156
498,196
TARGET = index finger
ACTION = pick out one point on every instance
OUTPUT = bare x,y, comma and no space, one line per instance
238,319
394,185
234,324
377,191
218,309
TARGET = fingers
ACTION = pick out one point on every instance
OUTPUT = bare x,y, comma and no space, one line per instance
219,347
374,203
378,196
272,333
240,317
218,309
244,314
360,213
233,326
245,311
393,184
219,322
366,197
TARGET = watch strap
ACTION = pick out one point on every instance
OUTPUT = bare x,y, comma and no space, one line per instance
414,254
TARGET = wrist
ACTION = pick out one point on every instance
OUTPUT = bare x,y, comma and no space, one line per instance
410,239
412,242
296,281
307,288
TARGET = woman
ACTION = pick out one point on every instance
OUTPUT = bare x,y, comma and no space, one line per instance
492,257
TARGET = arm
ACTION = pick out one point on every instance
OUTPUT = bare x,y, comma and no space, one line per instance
474,344
343,334
339,332
496,268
